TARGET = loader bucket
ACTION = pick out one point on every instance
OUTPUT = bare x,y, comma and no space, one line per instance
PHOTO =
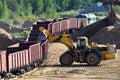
42,38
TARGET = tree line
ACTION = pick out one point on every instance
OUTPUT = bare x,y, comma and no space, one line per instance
43,8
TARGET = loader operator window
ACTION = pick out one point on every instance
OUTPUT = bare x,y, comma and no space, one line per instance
81,44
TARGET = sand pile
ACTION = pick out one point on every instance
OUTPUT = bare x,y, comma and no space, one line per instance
90,30
109,34
104,31
5,39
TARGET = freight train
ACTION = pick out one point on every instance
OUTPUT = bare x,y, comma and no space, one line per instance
20,57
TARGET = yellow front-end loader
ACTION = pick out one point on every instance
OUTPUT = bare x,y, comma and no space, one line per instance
83,53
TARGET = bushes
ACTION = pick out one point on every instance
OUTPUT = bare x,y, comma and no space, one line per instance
118,9
22,34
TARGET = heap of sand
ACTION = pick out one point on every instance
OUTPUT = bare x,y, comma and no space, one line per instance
5,39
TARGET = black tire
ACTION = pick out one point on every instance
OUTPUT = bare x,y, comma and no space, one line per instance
66,59
92,59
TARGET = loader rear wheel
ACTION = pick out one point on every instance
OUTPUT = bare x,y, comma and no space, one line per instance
66,59
92,59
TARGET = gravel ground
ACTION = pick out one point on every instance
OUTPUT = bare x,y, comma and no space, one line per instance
51,69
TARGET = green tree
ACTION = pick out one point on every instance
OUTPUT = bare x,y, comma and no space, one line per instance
75,4
28,10
12,4
39,9
34,5
5,11
90,2
99,0
117,8
1,9
49,8
63,5
12,8
21,9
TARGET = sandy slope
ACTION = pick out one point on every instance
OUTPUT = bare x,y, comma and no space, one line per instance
51,69
5,39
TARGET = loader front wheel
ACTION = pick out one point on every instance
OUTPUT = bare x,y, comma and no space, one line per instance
92,59
66,59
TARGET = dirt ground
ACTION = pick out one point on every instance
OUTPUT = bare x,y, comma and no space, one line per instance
51,69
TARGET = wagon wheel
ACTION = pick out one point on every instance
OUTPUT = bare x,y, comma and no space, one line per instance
66,59
35,65
28,69
92,59
7,76
22,71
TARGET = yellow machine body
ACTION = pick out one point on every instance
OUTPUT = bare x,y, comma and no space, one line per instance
107,51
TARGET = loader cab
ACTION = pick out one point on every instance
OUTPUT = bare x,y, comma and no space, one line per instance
82,43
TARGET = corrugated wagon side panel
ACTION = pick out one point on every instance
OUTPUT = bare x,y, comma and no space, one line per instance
19,63
38,51
26,58
21,60
73,23
34,53
44,50
50,27
64,25
80,24
23,55
10,66
55,27
3,66
41,55
29,56
84,21
17,60
0,63
13,61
